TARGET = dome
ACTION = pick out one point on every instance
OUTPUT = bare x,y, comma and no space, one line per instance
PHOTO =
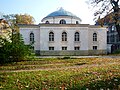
61,12
61,16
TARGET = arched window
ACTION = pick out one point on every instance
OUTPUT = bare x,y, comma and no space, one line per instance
94,36
77,36
31,37
51,36
62,21
77,22
64,36
47,22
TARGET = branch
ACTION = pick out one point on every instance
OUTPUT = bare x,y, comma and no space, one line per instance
117,1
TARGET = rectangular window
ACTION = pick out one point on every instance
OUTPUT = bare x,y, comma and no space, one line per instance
51,48
64,48
76,48
94,47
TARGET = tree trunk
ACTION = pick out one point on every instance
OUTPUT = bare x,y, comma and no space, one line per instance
116,14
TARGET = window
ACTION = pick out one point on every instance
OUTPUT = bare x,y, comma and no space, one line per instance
76,48
51,48
31,37
64,48
94,36
94,47
107,39
112,38
51,36
76,36
117,38
77,22
62,21
64,36
47,22
113,28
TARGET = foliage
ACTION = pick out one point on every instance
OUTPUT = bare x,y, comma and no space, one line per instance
24,19
15,50
100,73
108,19
5,48
19,49
117,51
12,47
19,18
66,57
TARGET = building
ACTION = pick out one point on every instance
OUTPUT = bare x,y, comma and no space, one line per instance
61,33
113,38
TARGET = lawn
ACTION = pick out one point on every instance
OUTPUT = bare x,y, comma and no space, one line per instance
61,74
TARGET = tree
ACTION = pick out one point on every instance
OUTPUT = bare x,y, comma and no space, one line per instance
108,6
19,18
13,48
24,19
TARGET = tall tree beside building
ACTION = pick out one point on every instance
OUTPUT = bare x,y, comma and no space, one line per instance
13,47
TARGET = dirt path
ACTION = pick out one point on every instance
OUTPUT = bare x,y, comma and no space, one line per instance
61,68
65,67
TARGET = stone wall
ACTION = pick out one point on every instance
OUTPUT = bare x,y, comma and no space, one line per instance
72,53
97,52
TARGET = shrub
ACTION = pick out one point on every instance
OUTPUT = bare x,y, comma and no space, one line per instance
66,57
15,50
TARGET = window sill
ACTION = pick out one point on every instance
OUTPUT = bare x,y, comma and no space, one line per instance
77,41
51,41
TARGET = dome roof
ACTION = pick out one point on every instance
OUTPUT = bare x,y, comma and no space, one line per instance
61,12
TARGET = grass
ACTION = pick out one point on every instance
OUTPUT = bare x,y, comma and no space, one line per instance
44,63
89,73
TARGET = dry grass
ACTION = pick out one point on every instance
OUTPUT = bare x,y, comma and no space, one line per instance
61,74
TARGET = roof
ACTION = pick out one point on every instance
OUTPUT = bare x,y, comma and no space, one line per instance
28,25
61,12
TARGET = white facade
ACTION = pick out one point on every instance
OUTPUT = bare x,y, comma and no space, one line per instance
61,33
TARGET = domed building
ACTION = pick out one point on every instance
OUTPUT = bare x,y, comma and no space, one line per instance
61,17
61,33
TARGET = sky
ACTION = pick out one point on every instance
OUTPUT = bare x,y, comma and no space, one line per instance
41,8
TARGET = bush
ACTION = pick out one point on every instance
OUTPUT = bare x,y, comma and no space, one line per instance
66,57
117,51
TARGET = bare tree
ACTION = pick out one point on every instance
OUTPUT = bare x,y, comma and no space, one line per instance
107,6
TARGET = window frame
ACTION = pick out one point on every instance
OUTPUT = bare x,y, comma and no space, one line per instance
64,36
95,47
51,36
76,36
77,48
62,21
32,37
94,36
64,48
47,22
51,48
77,22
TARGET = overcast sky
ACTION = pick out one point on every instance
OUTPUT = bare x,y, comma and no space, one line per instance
41,8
